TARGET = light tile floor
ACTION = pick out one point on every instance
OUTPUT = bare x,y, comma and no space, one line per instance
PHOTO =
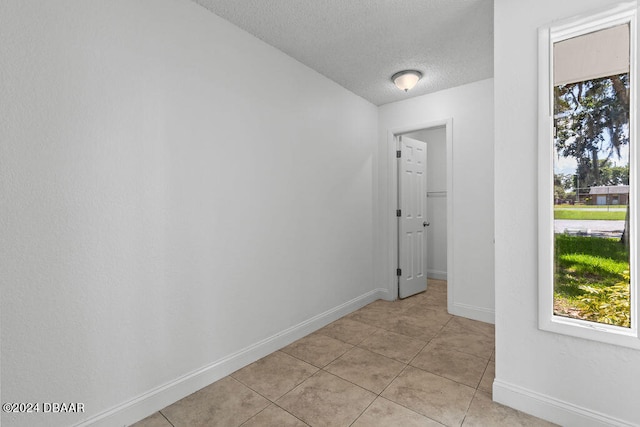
400,363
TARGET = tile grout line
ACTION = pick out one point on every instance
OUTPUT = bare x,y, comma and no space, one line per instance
363,411
278,406
466,413
165,417
400,404
254,415
293,415
484,372
274,402
391,382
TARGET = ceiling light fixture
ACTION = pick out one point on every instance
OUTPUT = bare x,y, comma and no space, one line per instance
406,79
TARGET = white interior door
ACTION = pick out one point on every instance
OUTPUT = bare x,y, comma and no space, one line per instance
412,221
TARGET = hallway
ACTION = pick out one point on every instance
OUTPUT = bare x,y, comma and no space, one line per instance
400,363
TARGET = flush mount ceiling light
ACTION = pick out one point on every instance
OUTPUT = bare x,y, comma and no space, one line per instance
406,79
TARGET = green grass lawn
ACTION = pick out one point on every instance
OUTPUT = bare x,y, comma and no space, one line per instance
605,207
571,213
592,279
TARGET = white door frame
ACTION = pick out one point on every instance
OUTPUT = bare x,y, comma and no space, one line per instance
392,201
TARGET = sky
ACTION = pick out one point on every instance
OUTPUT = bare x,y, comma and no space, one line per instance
568,165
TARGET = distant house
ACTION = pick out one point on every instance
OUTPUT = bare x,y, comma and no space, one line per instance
609,195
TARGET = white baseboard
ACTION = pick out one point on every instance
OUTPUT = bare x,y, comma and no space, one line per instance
437,274
472,312
147,403
551,409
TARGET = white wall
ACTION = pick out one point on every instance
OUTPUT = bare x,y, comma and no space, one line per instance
568,380
471,108
178,199
436,139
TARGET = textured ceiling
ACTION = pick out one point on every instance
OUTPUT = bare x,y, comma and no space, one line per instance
360,44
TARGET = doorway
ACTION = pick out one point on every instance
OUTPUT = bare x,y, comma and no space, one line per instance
412,216
436,194
439,190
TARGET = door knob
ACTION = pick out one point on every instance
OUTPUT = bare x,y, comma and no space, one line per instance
425,224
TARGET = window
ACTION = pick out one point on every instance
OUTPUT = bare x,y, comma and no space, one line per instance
587,177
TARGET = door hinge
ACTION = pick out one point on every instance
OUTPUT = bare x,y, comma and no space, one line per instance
398,272
398,154
398,212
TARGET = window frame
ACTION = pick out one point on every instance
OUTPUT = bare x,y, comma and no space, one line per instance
548,35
